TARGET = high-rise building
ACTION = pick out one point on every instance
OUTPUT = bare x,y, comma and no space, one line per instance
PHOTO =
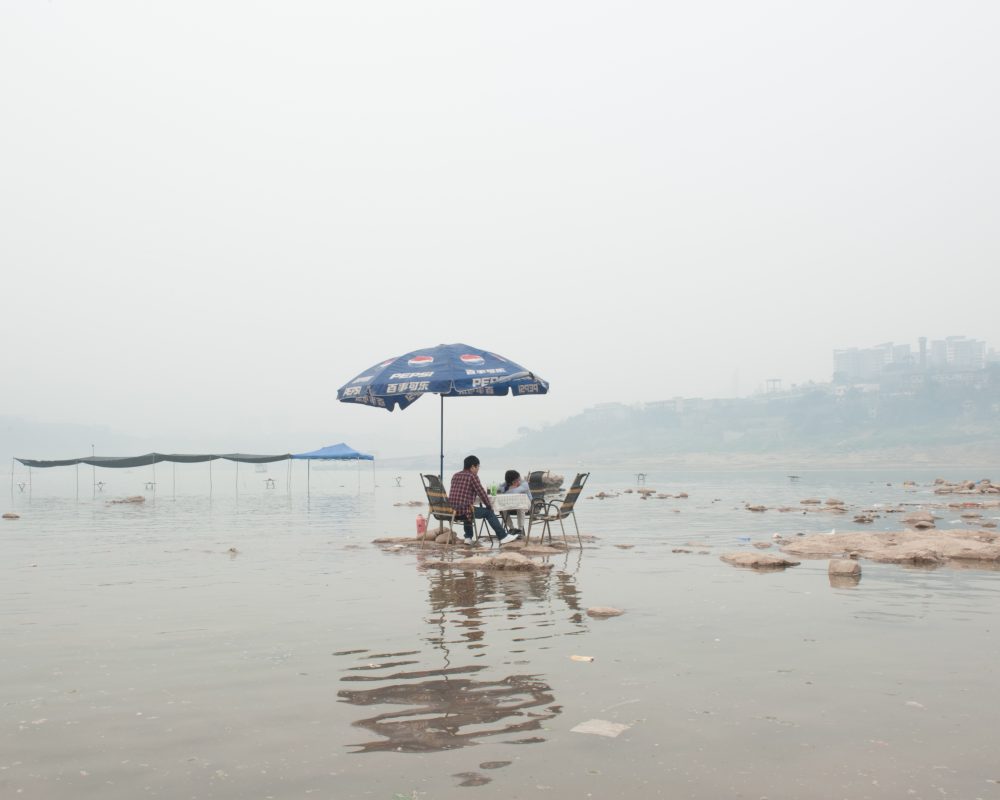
867,364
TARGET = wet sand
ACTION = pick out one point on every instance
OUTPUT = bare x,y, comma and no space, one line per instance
140,656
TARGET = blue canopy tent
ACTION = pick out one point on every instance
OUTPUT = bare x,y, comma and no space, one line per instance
334,452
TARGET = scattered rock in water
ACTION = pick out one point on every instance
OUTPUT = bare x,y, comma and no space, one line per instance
903,547
495,764
624,546
844,566
810,501
921,520
505,561
604,611
757,508
581,658
761,545
763,561
136,498
11,515
682,495
472,779
834,501
679,550
864,519
985,486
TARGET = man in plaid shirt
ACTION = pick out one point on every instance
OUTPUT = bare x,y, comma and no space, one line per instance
465,490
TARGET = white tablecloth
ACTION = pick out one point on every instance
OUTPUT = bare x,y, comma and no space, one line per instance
511,502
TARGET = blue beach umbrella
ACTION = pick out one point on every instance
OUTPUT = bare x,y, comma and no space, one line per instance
448,370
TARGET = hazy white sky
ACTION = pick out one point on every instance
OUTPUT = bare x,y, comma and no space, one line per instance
213,214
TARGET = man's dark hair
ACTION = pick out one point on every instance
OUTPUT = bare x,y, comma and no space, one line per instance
470,462
510,476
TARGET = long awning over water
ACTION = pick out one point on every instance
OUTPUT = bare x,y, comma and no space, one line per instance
122,462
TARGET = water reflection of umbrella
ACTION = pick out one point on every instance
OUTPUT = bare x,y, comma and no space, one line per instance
448,370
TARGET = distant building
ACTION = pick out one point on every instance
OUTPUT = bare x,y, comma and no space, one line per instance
861,365
873,364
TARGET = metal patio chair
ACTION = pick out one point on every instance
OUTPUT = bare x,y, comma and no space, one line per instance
536,485
441,510
558,511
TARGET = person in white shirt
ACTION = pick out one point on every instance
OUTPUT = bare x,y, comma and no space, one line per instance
513,484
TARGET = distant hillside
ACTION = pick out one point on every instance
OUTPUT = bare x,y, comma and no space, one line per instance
817,423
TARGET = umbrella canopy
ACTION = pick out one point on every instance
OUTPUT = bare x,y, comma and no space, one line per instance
448,370
334,452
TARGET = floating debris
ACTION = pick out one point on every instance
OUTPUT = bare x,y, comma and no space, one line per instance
604,611
600,727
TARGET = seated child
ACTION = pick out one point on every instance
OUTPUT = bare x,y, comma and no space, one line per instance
513,484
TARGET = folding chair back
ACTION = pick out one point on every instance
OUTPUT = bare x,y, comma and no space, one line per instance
537,488
574,492
437,499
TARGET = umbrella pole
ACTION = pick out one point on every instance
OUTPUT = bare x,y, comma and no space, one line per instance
441,463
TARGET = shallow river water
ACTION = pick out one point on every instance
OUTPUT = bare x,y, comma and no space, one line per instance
260,646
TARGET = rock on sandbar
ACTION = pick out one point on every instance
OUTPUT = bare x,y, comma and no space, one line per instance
504,561
903,547
758,560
